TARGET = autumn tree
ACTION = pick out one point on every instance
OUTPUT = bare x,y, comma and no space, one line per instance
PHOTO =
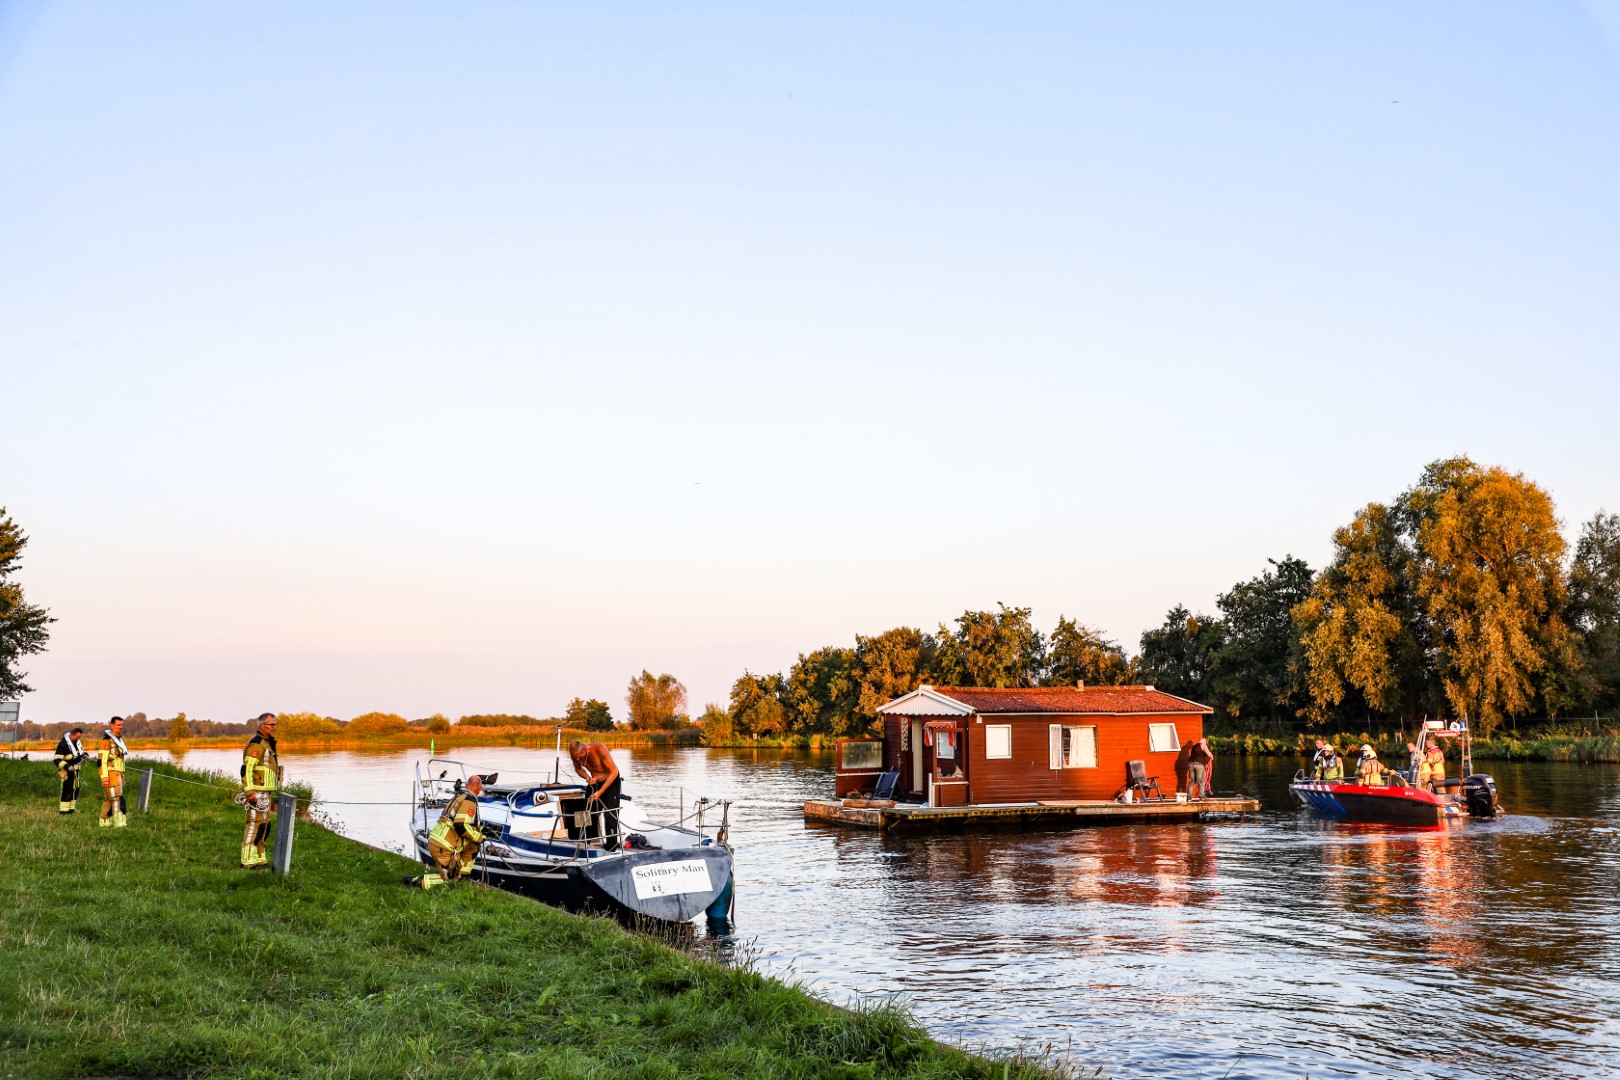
1490,577
592,715
1593,607
1178,657
1257,669
1079,653
178,728
377,723
716,724
656,702
756,705
24,627
891,664
1362,630
998,649
822,692
303,725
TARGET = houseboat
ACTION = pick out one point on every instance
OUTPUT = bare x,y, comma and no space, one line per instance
954,757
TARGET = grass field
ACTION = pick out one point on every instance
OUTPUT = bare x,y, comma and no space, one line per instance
145,951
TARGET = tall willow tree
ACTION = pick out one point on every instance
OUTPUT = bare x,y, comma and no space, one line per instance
1594,606
1490,577
1362,629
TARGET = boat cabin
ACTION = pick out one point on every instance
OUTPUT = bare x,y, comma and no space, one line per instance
970,746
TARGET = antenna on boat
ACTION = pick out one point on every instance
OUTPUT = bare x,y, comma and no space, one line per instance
556,762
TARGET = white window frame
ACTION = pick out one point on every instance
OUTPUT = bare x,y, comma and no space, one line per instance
1068,743
993,732
1155,730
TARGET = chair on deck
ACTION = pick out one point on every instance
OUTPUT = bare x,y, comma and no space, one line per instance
885,785
1138,781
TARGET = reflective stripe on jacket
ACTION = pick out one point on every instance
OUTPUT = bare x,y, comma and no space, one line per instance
260,770
458,823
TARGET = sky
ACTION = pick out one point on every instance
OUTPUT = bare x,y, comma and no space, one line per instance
472,358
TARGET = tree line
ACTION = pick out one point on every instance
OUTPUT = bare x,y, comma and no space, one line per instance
1459,597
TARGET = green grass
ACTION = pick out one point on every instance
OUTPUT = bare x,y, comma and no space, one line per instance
145,951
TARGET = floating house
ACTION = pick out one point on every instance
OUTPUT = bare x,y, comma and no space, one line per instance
952,753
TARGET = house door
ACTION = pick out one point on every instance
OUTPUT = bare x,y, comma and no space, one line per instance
919,767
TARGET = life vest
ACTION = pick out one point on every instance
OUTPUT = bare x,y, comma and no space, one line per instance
463,812
112,755
260,770
1328,765
69,754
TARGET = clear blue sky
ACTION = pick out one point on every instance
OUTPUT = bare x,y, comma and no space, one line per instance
459,358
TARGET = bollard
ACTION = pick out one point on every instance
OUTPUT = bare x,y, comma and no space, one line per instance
144,800
286,814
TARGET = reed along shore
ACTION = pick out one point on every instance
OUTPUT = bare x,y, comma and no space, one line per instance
146,952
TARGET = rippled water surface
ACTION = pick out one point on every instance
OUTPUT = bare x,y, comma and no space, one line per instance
1274,948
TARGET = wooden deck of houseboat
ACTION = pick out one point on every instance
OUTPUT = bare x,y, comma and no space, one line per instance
905,816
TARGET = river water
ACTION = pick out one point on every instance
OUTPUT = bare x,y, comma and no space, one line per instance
1268,949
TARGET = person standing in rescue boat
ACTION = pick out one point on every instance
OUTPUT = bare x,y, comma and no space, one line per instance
261,778
111,773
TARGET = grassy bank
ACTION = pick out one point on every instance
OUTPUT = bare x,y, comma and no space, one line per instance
144,951
1391,746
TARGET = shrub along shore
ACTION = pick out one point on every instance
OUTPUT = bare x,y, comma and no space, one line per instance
414,738
1391,747
145,951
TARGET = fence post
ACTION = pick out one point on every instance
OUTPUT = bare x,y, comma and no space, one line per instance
286,814
144,800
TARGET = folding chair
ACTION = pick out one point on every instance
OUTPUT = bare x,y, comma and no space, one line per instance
885,785
1138,781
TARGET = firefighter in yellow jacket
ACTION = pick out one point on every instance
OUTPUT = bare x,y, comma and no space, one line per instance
111,759
70,755
454,841
261,778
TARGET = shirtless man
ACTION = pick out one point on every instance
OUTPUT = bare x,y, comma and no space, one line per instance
597,768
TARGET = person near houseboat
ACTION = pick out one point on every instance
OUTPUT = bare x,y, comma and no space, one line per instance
597,768
1200,763
1326,764
1369,770
1433,769
70,755
110,759
261,778
454,842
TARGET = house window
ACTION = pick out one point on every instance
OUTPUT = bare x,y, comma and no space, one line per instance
1073,747
998,740
1162,739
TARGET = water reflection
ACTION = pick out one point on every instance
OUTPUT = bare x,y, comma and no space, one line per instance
1279,947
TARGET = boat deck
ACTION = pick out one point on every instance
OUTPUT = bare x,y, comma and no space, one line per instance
911,816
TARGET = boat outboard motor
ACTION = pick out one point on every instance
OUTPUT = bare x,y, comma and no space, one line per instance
1479,795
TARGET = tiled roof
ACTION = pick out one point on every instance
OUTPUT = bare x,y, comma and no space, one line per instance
1071,699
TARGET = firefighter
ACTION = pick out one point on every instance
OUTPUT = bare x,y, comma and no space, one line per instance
1433,769
261,777
1369,770
111,772
70,754
454,841
1326,764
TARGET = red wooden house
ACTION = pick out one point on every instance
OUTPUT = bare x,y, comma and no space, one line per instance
969,746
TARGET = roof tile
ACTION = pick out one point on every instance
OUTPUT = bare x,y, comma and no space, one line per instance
1070,699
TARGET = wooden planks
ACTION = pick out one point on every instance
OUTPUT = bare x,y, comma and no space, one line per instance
1043,814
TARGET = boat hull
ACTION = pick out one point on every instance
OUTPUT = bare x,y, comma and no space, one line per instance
1362,802
674,885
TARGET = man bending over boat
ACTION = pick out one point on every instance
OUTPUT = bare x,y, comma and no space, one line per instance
597,768
455,840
